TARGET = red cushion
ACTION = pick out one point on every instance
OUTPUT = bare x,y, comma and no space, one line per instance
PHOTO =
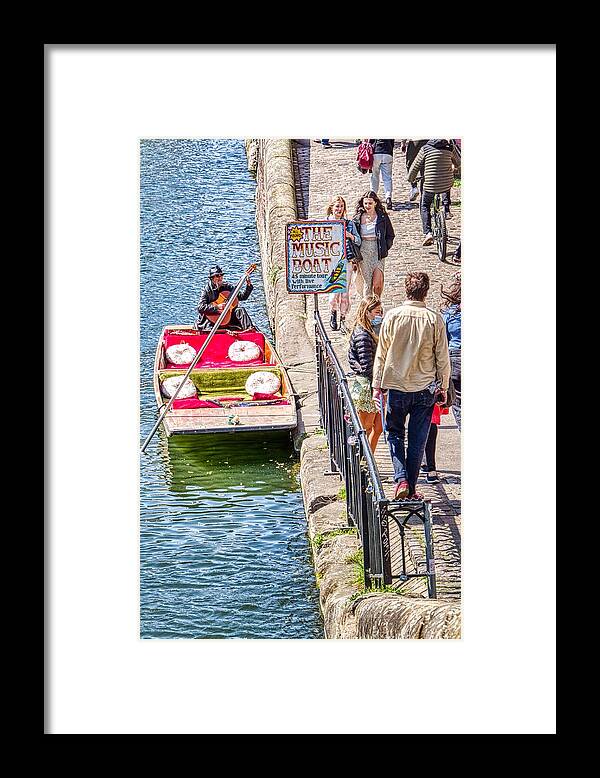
192,402
216,353
265,396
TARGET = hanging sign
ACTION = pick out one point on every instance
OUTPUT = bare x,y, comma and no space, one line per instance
315,254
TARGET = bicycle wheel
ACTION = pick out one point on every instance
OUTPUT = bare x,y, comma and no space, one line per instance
441,237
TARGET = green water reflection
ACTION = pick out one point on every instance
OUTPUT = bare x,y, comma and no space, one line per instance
252,462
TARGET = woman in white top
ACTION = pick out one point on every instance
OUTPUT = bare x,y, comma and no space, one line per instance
377,236
339,302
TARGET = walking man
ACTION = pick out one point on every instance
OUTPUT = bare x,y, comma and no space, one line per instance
383,158
412,364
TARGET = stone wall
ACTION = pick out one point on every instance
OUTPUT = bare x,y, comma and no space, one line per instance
270,161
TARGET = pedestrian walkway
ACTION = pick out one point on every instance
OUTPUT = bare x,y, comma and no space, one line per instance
321,174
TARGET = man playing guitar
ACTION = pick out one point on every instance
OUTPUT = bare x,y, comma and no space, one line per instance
213,299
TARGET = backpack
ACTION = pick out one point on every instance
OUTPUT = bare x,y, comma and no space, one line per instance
364,157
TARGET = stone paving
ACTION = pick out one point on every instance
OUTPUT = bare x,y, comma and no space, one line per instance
322,173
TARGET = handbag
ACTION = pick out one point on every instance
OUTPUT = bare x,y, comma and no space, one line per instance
357,256
350,250
364,157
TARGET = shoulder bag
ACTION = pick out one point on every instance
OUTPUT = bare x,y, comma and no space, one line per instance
353,253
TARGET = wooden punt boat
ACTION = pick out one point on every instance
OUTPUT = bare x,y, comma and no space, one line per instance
221,402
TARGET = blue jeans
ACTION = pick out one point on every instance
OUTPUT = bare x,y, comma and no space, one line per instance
418,406
455,378
382,163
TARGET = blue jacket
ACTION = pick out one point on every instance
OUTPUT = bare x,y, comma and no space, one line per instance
451,317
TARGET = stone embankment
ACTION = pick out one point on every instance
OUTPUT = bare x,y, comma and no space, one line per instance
271,163
282,193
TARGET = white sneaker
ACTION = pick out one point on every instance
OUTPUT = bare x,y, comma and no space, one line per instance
413,194
428,239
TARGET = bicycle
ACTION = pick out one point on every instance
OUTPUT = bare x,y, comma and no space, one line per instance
438,227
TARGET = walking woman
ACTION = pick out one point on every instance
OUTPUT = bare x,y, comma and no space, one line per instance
377,235
340,302
451,315
361,355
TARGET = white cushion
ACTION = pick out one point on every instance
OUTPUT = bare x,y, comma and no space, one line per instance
262,381
181,354
243,351
169,387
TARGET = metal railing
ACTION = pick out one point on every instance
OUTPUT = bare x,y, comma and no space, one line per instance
369,510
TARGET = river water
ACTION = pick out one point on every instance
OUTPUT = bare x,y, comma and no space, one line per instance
224,551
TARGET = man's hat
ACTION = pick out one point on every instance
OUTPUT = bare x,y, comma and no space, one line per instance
215,270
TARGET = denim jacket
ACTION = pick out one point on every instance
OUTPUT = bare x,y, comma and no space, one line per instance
351,228
451,316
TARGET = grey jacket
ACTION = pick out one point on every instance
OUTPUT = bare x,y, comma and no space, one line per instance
435,161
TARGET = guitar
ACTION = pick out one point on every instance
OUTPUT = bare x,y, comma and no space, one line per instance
223,298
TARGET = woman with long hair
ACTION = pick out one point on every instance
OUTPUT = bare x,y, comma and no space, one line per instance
361,355
339,302
377,235
452,315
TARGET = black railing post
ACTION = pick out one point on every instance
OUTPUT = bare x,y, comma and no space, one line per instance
364,497
330,432
318,350
431,582
386,550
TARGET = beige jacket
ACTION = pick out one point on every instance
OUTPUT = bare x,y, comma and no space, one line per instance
412,350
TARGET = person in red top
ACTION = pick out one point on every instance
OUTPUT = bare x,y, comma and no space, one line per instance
429,469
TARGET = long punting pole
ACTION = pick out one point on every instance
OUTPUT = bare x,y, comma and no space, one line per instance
197,357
